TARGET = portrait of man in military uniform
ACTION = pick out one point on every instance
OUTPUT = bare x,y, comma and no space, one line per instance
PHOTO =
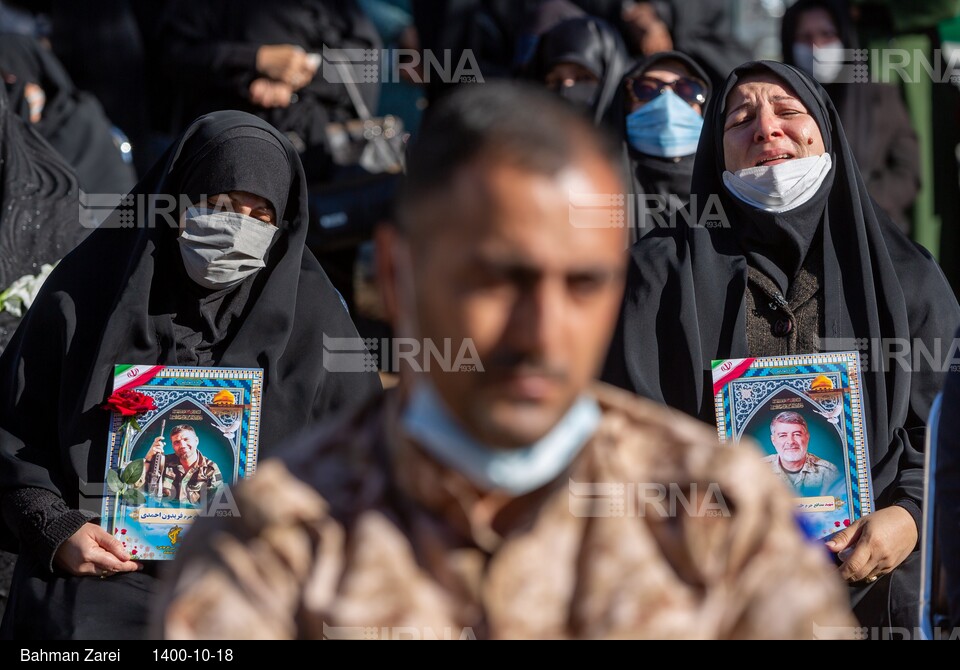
188,475
805,472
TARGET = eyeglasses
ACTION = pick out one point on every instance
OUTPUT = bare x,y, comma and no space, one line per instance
692,91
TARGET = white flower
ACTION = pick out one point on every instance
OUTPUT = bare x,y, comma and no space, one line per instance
20,294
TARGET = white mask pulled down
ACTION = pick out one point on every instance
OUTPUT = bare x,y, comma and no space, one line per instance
220,249
516,471
779,188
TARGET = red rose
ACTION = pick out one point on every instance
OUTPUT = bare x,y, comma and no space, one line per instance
129,403
846,522
836,523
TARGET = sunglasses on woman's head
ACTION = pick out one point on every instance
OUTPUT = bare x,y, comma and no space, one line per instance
692,91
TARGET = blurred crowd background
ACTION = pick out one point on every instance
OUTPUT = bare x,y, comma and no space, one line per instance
110,84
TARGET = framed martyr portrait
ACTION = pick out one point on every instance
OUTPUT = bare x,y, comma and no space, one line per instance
179,438
806,414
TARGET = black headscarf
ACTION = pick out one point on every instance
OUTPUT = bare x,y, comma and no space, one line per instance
685,301
839,10
776,243
591,43
666,178
240,159
123,297
39,206
72,122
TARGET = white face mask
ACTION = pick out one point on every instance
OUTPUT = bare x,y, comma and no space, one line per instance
825,63
221,249
779,188
516,471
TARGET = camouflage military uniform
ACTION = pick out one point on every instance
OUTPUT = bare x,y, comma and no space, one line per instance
815,478
188,485
357,532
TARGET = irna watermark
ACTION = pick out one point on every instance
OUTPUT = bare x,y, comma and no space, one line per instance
882,633
645,211
859,66
357,354
370,66
885,354
641,499
141,210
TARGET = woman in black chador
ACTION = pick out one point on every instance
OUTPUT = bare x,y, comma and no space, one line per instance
222,279
801,261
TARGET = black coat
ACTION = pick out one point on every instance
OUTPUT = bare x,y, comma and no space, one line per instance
210,48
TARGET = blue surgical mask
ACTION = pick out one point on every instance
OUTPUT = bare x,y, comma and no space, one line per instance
666,127
516,471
